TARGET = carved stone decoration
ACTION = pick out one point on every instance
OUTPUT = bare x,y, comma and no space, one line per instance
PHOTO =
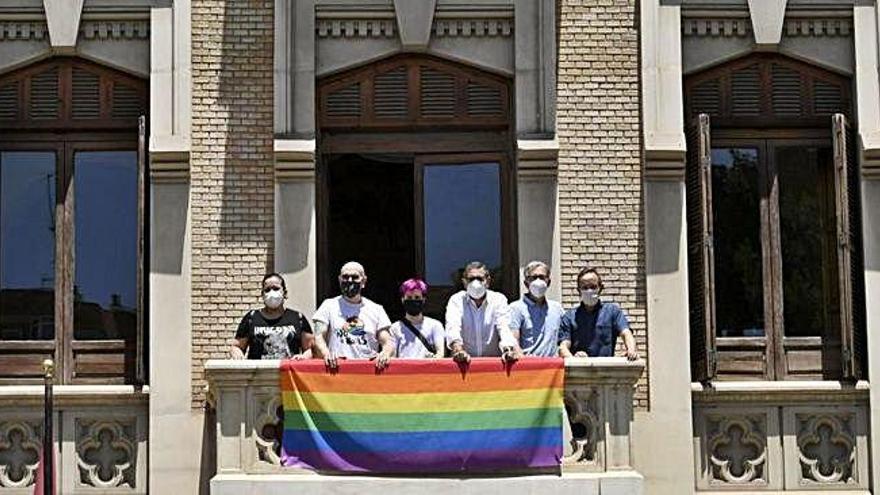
582,407
19,454
767,17
414,20
268,428
355,28
107,30
105,453
449,28
23,30
730,27
737,449
826,448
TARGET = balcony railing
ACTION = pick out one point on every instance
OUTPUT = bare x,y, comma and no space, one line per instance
597,436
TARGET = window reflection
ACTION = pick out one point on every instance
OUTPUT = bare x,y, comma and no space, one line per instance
105,291
27,245
739,289
462,206
807,228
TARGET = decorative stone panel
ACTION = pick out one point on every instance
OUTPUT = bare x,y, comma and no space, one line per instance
106,452
826,447
268,425
585,448
737,449
20,445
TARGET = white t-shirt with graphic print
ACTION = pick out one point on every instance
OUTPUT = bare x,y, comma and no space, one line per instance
352,327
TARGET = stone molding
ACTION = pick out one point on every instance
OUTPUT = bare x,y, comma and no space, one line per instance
732,27
66,396
23,31
356,28
760,392
108,30
469,27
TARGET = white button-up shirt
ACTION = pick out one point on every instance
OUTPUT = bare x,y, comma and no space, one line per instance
483,330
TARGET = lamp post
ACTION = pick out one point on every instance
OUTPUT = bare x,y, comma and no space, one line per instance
48,436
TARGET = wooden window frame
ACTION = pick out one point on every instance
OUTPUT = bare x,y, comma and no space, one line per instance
66,136
456,140
841,350
65,346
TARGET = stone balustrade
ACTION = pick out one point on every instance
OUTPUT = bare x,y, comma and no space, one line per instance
597,451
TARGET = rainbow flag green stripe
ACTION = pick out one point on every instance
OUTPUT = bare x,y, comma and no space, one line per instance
482,417
397,422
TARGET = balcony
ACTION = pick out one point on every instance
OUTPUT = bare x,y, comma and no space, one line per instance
597,438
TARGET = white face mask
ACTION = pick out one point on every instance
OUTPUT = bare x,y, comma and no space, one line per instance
590,297
537,288
273,299
476,289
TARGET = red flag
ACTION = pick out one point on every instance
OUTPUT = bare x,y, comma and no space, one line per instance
38,485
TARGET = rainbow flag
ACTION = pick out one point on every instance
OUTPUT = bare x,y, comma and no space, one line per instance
423,415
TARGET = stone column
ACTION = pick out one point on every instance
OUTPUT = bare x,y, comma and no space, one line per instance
232,166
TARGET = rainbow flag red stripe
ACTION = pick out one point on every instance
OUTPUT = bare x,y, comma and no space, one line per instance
423,415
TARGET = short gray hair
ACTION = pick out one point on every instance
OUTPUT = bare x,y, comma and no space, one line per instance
475,265
533,265
353,266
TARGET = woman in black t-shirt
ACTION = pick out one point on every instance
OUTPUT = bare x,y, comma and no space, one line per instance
273,332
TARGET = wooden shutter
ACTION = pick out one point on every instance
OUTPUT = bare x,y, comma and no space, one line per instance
140,356
849,248
701,271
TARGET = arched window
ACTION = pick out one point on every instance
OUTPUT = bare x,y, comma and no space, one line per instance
71,222
776,290
414,176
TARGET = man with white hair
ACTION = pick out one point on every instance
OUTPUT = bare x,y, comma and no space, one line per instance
534,319
350,325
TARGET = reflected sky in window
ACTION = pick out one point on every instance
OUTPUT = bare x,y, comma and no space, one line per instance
462,218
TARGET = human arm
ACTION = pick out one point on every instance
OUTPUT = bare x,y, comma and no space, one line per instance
629,343
439,339
629,340
387,343
566,328
242,339
454,312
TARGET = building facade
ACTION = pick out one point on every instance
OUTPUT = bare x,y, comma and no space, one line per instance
717,160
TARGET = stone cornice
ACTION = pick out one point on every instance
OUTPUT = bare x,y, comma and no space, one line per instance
740,26
74,395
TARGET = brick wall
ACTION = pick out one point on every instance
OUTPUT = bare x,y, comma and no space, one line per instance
231,168
600,167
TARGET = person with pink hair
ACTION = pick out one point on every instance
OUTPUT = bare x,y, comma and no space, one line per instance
418,336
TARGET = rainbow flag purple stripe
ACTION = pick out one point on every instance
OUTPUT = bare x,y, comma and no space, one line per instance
423,416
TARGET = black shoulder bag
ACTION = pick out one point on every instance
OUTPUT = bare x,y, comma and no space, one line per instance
418,334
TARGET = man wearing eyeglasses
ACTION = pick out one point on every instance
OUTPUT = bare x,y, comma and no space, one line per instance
591,328
350,325
534,319
477,319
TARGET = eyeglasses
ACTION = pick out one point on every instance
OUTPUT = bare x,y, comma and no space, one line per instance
535,277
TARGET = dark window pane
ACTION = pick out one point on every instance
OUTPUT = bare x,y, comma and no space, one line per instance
739,289
105,292
807,229
462,219
27,245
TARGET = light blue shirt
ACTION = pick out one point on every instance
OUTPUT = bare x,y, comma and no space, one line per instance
538,325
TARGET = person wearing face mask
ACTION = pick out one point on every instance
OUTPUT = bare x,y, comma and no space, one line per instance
477,319
273,332
418,336
350,325
534,319
591,328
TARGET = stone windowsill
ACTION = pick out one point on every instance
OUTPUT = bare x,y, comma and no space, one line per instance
73,395
808,391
